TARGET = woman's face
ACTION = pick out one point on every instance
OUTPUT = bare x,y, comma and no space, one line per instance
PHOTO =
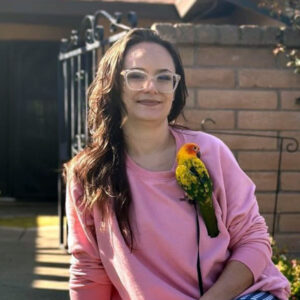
150,103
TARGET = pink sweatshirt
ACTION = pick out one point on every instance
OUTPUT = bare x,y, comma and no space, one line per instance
163,267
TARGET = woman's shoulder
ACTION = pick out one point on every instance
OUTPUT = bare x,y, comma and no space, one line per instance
198,137
74,182
74,185
210,145
74,188
71,169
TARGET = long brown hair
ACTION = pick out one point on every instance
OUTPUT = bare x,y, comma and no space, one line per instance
100,167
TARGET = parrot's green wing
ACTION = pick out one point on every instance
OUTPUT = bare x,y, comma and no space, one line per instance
186,180
193,177
205,185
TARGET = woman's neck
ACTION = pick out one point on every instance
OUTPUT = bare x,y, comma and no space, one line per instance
152,147
146,139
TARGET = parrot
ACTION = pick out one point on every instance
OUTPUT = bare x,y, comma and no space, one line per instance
192,175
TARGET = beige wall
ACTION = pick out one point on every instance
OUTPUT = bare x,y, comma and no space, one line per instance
33,32
234,78
25,32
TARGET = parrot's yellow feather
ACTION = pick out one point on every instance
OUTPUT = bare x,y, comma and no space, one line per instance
193,177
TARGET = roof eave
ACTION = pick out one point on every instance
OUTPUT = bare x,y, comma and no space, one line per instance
65,12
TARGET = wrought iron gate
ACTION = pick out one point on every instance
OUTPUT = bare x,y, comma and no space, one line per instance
78,59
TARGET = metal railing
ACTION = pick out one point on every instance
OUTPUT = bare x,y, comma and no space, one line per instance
78,59
292,145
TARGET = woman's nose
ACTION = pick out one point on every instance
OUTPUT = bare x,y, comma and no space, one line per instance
150,86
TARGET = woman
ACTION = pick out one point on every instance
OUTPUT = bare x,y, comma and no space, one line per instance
130,236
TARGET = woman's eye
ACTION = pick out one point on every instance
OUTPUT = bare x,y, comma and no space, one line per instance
164,77
136,76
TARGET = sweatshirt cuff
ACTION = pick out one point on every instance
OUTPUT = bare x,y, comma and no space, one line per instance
254,259
92,292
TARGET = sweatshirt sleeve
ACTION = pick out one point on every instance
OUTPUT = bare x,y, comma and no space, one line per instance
249,238
88,279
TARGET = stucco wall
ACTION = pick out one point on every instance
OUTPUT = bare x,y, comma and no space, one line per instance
234,78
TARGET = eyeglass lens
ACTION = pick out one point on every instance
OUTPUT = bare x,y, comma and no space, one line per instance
164,82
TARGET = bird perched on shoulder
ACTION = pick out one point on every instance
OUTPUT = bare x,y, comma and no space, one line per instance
193,177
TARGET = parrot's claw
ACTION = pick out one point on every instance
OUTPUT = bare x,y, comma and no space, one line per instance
186,198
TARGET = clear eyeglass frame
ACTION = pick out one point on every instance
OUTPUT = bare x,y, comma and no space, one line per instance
176,78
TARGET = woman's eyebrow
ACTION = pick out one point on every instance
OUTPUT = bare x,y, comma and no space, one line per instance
163,70
136,68
156,72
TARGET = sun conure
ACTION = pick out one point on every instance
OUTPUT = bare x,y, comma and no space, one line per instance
193,177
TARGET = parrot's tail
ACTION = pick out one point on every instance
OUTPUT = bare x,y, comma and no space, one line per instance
210,220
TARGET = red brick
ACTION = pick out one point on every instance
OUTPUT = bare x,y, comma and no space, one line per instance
239,142
235,57
166,31
190,101
187,55
266,202
288,241
258,160
265,181
267,120
224,119
220,78
269,160
237,99
268,79
269,221
289,223
290,181
290,161
282,60
250,35
185,33
288,100
288,202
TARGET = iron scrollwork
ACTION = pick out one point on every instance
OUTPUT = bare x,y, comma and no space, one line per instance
78,59
91,35
291,145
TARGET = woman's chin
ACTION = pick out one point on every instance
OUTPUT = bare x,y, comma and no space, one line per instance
148,118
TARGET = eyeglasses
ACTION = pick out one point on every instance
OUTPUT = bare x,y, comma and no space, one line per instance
165,82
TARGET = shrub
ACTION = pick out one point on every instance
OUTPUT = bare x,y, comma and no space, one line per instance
290,268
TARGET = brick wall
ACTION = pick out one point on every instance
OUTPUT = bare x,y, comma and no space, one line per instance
234,78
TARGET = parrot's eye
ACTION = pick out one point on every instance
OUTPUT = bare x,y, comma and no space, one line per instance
195,148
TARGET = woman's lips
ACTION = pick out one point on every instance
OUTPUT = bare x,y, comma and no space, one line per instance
149,102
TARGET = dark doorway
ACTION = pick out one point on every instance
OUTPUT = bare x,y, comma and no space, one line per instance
28,119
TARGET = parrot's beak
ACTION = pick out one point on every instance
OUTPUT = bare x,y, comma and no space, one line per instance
198,154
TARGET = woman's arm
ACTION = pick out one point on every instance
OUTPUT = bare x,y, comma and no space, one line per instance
88,279
249,240
235,278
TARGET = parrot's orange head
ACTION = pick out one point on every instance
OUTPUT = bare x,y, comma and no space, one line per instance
189,150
